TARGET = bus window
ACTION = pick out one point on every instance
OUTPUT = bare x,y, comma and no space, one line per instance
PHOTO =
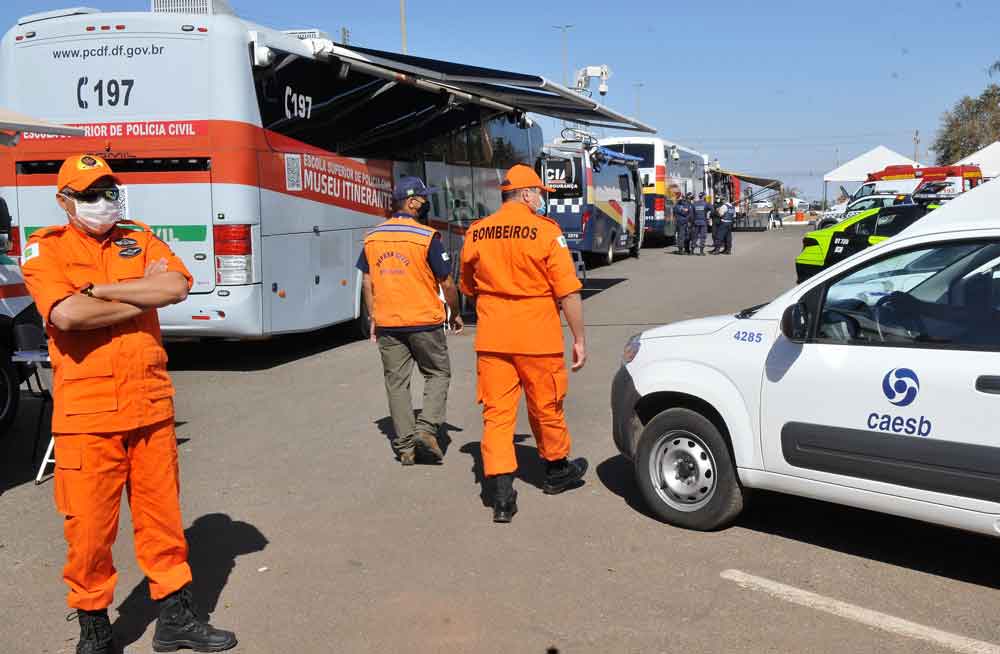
647,152
623,182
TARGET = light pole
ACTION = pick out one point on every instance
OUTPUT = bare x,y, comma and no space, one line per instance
402,22
565,29
638,87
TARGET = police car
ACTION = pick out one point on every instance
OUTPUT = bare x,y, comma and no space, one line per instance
903,340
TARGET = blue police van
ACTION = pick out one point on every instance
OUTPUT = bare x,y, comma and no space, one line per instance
597,198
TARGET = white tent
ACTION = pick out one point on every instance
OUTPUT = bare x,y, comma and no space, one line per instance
14,124
988,160
857,169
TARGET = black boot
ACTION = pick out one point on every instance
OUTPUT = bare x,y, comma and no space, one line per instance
504,498
179,627
95,632
563,474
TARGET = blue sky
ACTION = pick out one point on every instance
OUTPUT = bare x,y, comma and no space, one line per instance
772,88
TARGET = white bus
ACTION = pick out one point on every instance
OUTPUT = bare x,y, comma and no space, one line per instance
261,157
668,171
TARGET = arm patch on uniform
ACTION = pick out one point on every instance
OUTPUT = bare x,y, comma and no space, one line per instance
561,240
445,257
30,253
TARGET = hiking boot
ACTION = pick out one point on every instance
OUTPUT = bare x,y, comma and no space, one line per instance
179,627
563,474
429,443
408,458
504,499
95,632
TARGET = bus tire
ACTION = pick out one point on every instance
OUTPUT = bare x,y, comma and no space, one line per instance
609,258
10,391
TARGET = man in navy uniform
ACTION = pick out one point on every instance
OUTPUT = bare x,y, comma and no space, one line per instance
682,218
700,214
724,237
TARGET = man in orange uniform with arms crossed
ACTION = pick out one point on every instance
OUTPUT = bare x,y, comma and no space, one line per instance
97,282
518,267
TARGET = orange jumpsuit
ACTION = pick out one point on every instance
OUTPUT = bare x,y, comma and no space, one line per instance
517,266
113,414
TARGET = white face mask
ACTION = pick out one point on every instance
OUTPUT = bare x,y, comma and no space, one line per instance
98,217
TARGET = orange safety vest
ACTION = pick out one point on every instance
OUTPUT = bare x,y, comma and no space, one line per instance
404,286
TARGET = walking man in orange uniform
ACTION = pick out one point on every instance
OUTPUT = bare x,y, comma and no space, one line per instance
97,282
518,267
404,264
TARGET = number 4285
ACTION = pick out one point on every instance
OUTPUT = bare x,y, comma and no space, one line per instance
748,337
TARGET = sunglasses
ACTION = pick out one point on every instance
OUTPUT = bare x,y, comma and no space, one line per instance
94,194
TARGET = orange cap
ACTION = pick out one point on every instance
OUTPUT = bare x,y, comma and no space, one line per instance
79,172
521,176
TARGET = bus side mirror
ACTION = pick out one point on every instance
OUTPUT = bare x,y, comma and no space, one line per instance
795,323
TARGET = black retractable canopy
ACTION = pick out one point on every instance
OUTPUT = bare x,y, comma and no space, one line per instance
489,86
756,180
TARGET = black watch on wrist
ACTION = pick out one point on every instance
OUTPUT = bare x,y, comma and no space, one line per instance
88,290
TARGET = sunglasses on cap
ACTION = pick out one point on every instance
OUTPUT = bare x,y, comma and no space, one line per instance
94,194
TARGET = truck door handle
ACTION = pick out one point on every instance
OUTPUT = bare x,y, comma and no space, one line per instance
988,384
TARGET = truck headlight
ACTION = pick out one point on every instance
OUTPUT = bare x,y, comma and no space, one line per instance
632,348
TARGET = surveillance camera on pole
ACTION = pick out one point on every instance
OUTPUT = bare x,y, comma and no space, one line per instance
585,74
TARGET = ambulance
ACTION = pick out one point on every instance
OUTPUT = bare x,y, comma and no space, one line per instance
20,325
874,384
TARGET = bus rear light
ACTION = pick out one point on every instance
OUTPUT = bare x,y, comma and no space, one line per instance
584,219
231,270
232,239
15,241
233,254
659,204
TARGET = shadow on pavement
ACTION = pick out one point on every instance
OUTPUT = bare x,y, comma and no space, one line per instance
248,356
593,286
530,467
618,477
897,541
214,542
19,454
889,539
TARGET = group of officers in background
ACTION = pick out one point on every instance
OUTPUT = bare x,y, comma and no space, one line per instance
693,219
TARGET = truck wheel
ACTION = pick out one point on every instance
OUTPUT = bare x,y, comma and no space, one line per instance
10,392
685,472
609,258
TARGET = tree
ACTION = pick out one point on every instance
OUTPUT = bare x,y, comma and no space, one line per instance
972,124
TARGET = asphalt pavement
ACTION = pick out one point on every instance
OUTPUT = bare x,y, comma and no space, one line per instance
307,536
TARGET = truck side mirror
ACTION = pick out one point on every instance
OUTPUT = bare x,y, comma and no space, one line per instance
795,323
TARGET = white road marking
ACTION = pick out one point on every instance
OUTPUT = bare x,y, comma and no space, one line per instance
865,616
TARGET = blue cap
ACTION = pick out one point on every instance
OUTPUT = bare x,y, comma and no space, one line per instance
410,186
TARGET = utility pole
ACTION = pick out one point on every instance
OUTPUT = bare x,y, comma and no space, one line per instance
402,22
565,47
638,88
345,35
916,146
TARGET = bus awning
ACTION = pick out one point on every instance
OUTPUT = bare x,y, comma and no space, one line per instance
12,125
499,90
762,182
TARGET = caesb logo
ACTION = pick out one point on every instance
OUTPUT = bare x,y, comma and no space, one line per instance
901,387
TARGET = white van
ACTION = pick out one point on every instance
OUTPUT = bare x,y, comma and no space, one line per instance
874,384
